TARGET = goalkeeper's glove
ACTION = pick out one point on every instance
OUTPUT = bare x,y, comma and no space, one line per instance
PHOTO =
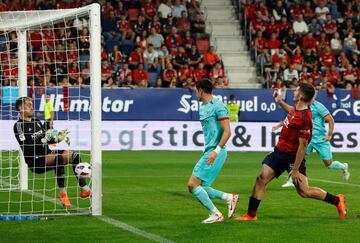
53,136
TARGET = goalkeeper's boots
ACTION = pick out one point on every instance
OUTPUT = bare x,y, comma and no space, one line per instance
85,194
64,199
341,206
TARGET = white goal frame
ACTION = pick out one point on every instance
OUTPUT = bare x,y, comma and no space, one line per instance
21,21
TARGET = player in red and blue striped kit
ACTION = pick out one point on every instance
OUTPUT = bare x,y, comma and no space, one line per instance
289,155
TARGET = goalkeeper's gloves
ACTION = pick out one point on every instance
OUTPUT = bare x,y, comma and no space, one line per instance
53,136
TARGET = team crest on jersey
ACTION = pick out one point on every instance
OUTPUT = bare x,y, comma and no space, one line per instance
305,131
22,137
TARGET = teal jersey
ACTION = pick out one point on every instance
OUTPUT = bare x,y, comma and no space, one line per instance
319,111
210,115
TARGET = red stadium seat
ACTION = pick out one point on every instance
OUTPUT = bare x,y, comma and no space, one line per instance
203,46
133,14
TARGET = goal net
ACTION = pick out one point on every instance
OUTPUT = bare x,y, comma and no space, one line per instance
53,57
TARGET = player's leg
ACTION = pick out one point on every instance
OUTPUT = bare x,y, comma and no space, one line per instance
258,192
230,198
324,150
56,161
202,174
305,191
74,158
273,166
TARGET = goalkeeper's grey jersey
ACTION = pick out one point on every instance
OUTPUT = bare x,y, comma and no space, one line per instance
29,135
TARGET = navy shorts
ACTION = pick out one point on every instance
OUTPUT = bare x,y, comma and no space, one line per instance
37,164
280,161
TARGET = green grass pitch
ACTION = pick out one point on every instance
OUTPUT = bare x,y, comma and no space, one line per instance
148,190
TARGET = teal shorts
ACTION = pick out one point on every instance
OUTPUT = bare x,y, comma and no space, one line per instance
322,148
208,173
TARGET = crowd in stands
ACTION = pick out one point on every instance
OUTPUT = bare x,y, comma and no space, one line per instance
144,44
306,41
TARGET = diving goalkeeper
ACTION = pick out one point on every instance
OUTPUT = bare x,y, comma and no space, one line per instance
34,139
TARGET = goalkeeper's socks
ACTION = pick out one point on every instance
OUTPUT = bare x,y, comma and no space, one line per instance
60,171
253,206
215,194
76,160
336,165
202,196
62,190
85,188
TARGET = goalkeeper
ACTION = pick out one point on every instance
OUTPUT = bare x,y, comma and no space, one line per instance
34,139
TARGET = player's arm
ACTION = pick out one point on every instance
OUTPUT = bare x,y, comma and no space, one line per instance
300,154
276,127
331,122
281,102
225,125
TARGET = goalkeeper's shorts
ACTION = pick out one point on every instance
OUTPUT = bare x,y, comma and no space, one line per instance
37,163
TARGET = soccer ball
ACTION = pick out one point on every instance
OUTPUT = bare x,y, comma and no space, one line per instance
83,170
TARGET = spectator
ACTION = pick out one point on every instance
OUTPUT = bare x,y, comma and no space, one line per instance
300,27
151,60
109,25
321,11
263,12
304,75
336,45
327,59
188,41
290,74
258,44
350,75
271,27
126,29
74,73
310,59
149,10
178,9
322,42
309,42
330,26
298,59
200,72
346,28
124,72
279,10
210,58
135,58
333,76
342,61
142,40
308,12
85,74
217,74
140,76
258,25
174,40
290,42
106,70
281,57
165,8
273,44
164,56
194,57
140,27
168,26
183,23
169,75
110,84
185,73
116,58
314,27
354,60
350,45
180,59
198,28
155,39
283,27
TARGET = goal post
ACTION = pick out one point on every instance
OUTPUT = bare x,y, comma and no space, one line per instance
22,23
